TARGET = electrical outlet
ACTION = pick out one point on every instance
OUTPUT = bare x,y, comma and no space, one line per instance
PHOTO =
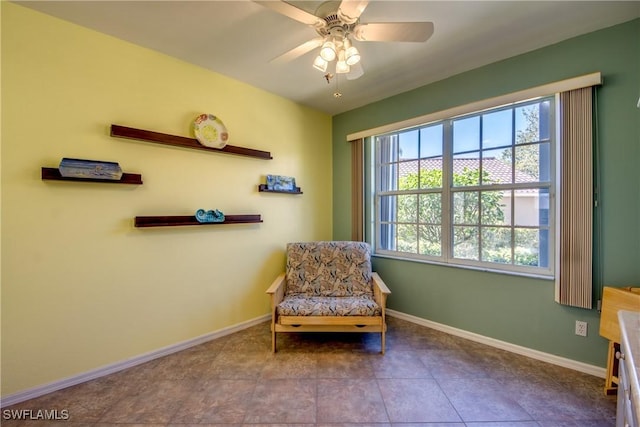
581,328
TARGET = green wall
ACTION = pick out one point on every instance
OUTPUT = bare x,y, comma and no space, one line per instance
515,309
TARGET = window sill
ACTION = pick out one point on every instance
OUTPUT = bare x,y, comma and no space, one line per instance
467,267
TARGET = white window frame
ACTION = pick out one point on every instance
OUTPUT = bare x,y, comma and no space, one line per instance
448,190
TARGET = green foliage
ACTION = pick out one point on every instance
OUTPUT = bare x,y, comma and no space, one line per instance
420,230
527,156
427,178
426,210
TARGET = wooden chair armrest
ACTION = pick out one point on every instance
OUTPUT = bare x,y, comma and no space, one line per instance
379,283
380,291
279,281
276,290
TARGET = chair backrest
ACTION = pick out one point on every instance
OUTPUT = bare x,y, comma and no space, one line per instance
333,268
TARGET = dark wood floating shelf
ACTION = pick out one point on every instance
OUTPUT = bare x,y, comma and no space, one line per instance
172,221
181,141
127,178
264,189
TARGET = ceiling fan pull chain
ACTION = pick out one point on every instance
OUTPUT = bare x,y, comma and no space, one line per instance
337,93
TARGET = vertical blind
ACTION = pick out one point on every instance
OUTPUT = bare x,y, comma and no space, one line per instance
357,190
575,250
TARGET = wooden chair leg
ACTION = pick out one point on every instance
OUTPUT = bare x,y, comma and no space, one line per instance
273,338
611,380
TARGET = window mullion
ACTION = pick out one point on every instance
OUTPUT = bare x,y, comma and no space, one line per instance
447,184
512,201
481,183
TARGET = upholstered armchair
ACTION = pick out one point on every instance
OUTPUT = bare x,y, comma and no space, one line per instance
328,287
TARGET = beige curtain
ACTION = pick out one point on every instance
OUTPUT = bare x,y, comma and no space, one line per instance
357,189
574,279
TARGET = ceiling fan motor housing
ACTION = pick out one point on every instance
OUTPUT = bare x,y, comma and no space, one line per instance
337,25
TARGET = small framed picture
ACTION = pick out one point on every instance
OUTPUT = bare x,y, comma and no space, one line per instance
281,183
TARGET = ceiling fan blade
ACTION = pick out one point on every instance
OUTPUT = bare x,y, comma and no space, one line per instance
394,31
298,51
355,72
350,10
293,12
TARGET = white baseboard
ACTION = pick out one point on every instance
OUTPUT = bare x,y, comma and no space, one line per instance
38,391
513,348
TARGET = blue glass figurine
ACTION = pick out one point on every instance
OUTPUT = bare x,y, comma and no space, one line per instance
209,216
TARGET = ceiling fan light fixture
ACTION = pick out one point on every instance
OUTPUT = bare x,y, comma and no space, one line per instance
341,65
320,64
328,51
352,56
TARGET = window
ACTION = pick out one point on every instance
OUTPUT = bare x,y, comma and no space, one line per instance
471,190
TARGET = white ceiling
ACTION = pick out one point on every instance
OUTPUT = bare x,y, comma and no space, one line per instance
239,38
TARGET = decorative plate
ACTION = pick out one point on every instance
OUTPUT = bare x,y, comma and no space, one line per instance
210,131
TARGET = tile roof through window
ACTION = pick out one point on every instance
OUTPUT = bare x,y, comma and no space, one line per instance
497,170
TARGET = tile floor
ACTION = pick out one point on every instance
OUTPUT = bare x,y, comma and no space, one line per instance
426,377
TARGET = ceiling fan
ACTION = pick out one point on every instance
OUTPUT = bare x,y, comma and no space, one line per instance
336,24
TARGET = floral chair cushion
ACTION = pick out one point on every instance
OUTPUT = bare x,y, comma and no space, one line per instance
300,305
329,269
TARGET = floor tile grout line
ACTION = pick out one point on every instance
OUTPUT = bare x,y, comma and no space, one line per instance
531,416
317,399
384,403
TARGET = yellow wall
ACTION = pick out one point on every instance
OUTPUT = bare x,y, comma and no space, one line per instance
81,287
